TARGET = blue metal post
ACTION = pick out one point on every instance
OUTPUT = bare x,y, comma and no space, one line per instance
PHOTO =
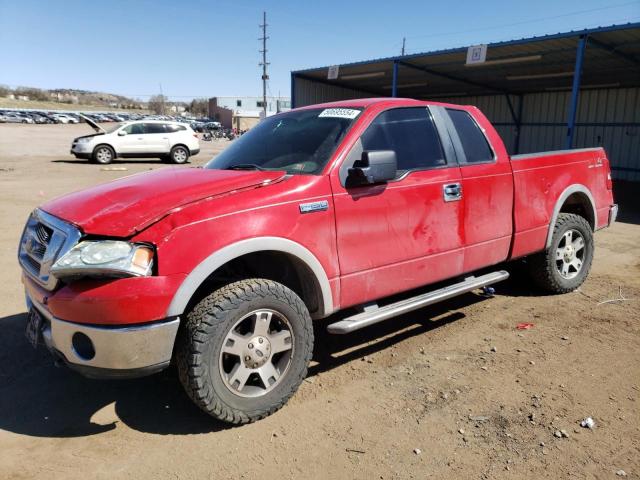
575,92
394,84
293,90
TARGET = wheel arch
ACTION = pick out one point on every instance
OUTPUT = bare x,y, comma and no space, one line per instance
576,199
314,287
105,144
180,145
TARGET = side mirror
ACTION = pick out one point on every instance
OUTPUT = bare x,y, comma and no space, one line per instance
122,133
374,167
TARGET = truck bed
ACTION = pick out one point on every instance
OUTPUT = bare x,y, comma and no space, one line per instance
542,183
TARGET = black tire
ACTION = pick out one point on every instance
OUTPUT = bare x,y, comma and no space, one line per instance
201,338
179,154
544,266
103,154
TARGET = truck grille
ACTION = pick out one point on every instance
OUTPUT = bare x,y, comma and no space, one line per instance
44,240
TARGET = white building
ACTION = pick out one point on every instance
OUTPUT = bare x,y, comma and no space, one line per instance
244,112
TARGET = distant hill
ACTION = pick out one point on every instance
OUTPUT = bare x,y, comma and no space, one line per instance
67,98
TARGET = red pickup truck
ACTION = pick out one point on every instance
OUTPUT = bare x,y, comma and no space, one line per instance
222,269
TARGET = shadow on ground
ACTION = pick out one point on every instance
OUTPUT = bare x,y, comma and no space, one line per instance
142,161
39,399
625,194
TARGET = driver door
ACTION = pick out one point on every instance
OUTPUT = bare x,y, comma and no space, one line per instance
405,233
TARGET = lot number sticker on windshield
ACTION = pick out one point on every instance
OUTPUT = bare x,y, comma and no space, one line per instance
339,113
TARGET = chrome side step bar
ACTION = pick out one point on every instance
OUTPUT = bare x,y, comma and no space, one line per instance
369,317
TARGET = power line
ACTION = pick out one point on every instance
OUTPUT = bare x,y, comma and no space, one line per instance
541,19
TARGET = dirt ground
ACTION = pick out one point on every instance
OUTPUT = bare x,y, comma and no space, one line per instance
421,396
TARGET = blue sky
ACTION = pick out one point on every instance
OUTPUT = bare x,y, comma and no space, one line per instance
205,48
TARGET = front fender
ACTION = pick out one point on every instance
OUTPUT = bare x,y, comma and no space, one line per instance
252,245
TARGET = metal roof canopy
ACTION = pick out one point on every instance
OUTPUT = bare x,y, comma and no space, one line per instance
604,57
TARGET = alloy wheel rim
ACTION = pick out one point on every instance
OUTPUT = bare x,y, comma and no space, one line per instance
569,255
103,155
180,155
256,353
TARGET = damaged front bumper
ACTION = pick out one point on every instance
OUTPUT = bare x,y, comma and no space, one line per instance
108,351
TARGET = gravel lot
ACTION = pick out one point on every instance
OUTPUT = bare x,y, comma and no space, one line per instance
422,396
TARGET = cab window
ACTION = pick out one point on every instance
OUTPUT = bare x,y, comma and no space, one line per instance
411,133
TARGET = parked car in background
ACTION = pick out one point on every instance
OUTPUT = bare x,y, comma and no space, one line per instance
50,118
37,118
16,118
169,141
74,116
64,118
198,126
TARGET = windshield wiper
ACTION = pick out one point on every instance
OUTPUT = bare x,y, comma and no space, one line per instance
245,166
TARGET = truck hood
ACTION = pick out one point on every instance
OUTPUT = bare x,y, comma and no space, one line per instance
126,206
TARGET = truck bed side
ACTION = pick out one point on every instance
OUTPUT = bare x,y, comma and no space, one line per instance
575,181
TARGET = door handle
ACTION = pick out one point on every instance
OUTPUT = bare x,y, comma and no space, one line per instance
452,192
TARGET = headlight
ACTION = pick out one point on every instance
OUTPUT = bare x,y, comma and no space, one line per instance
83,140
104,259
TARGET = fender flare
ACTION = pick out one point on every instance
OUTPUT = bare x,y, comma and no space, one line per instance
570,190
259,244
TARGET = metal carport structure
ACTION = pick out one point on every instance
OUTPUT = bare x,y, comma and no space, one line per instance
573,89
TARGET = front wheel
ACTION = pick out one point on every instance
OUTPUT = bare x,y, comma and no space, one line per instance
564,266
179,154
103,154
244,349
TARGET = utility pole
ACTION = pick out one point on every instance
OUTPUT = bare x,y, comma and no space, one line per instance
264,62
403,42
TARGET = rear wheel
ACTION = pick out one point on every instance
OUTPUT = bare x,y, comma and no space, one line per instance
564,266
103,154
244,350
179,154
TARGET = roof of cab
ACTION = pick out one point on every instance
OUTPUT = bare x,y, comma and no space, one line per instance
368,102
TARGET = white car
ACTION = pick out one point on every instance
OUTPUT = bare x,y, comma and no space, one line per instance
63,118
170,141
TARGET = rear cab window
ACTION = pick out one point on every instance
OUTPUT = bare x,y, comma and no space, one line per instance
474,143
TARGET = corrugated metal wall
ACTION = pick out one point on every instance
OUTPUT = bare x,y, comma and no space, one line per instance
307,92
607,117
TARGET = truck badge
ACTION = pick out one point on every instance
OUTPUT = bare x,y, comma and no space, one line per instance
320,206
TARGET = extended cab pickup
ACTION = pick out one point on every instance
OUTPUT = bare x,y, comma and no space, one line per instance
222,268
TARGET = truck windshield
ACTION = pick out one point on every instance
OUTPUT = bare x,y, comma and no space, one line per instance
299,142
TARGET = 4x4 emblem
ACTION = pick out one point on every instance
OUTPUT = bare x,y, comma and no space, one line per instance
314,206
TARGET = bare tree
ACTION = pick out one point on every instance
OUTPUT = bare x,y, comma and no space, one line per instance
32,93
157,104
199,107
